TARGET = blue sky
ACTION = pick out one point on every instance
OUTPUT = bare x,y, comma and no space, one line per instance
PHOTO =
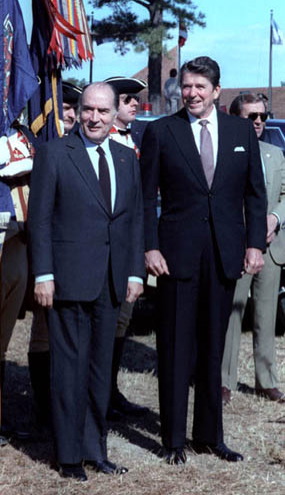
236,36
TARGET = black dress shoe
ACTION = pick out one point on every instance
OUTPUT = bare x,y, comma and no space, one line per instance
3,441
175,456
119,404
220,450
74,471
106,467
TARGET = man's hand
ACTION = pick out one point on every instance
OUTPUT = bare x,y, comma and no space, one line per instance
44,292
155,263
253,261
134,290
272,223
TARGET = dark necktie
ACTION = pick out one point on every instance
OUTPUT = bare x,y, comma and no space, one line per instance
206,152
104,178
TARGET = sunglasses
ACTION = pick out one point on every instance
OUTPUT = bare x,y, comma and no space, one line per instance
253,116
128,98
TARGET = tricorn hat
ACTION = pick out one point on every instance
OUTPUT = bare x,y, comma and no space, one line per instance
70,93
128,85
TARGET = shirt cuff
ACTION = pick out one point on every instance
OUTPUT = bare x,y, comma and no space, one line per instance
44,278
135,279
278,219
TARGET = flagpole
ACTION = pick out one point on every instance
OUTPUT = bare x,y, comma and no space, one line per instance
270,68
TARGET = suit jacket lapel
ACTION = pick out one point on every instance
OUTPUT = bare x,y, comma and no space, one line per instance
269,165
119,160
181,131
226,140
82,162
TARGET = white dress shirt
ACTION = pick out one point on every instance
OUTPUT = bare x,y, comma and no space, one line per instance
212,126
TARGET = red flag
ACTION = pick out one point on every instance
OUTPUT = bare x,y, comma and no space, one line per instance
182,37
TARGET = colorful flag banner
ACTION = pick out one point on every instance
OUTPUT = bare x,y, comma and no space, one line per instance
18,81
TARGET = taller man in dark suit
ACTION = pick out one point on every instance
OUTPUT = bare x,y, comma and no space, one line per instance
212,226
86,229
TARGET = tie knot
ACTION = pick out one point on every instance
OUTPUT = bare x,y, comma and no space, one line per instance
203,122
100,151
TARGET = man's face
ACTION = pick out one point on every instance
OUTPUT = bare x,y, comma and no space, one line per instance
127,110
69,117
198,94
256,112
97,113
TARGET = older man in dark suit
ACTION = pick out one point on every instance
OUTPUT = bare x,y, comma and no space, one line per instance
86,229
212,226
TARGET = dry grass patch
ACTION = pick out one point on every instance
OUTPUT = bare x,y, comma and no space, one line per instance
253,426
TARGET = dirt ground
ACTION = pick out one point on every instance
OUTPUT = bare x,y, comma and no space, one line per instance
253,426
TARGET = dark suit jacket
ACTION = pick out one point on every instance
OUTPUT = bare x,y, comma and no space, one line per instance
72,234
137,130
235,205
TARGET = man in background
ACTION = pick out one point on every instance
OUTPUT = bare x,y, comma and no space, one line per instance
70,97
16,152
264,286
172,93
126,130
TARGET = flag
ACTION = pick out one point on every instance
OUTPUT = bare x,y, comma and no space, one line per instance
45,107
18,81
276,34
182,37
60,39
70,38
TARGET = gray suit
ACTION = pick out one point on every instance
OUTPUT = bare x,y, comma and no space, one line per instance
264,288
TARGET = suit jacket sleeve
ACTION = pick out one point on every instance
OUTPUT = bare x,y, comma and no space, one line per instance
279,208
255,203
150,166
137,267
40,210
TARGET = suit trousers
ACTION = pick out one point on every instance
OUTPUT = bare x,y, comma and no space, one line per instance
264,292
193,318
81,349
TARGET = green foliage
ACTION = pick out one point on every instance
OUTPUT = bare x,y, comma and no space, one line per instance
125,27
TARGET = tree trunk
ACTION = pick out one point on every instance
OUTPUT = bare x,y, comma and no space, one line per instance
155,57
154,81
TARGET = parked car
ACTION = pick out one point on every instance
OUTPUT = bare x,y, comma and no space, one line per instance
274,133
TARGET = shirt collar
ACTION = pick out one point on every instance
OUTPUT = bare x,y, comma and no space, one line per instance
212,118
90,144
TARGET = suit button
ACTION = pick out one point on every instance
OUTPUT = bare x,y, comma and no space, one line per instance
211,195
205,219
107,243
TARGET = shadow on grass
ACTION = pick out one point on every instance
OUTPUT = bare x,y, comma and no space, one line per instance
139,357
140,431
18,416
19,419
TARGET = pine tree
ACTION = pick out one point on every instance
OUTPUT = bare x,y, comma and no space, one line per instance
124,26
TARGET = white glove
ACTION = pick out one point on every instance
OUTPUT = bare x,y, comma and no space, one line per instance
18,168
4,150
